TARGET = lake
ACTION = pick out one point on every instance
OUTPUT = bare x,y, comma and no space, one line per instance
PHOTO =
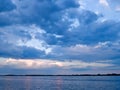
59,82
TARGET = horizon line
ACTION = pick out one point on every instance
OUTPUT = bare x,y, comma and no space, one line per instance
109,74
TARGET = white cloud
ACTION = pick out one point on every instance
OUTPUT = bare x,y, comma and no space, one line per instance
82,4
29,64
104,3
46,63
80,48
33,30
75,24
15,32
22,35
81,64
102,44
39,44
36,43
88,48
90,52
58,36
117,8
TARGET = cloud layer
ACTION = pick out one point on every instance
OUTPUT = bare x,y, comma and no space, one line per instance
60,30
54,65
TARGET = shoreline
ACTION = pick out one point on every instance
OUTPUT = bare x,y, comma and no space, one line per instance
64,75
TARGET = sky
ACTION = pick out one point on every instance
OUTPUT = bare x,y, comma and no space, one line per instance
59,36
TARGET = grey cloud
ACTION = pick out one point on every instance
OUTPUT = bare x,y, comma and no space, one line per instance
6,5
55,18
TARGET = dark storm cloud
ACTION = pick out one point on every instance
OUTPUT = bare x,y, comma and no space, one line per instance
9,40
90,34
65,24
12,51
38,11
44,13
84,16
6,5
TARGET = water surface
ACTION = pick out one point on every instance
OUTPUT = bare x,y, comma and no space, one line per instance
59,82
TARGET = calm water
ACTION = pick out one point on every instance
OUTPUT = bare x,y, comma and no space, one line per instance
60,83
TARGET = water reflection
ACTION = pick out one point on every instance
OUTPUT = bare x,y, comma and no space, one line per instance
28,83
7,83
59,83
